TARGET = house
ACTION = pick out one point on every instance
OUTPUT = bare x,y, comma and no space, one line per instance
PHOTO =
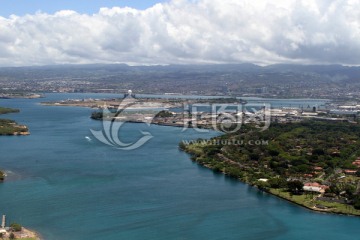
312,184
318,168
356,163
315,187
307,175
350,172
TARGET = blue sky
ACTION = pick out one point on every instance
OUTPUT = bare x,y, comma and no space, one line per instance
22,7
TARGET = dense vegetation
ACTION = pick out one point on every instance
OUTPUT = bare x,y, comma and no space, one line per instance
164,114
97,115
287,156
10,127
8,110
2,176
16,227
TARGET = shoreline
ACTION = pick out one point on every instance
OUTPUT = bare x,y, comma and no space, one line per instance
10,127
209,127
24,233
312,209
31,234
290,171
271,191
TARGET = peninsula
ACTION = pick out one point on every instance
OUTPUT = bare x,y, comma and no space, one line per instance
10,127
16,231
314,164
116,103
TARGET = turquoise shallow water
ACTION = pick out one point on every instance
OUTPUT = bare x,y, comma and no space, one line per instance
66,187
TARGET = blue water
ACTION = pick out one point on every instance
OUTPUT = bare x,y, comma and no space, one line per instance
67,187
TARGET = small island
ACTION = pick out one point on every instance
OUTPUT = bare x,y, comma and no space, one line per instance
9,127
8,110
314,164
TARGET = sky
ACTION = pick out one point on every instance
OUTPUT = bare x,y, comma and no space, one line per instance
23,7
36,32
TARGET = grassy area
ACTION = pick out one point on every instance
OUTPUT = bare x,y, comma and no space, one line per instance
195,149
339,208
304,200
309,202
8,110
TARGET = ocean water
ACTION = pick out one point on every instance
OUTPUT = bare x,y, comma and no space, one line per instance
67,187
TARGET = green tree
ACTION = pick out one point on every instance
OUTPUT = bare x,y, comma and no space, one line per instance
12,236
318,151
295,187
163,114
16,227
182,146
357,203
277,182
263,185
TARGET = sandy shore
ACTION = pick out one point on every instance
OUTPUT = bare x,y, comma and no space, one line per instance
27,233
24,233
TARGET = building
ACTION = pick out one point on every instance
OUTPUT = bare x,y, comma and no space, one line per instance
356,163
318,168
129,94
315,187
350,172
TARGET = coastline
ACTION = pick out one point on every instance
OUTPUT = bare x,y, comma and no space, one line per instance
168,124
24,233
10,127
29,233
283,163
313,209
313,204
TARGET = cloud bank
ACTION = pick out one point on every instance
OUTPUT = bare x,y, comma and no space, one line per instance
189,32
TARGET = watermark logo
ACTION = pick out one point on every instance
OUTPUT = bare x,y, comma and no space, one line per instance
226,142
113,122
227,118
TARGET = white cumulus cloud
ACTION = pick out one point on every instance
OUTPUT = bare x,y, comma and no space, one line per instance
187,32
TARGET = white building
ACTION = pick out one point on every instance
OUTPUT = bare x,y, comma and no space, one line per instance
313,189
